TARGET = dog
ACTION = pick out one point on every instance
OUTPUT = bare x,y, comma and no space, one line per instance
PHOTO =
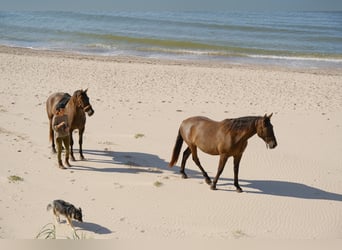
66,209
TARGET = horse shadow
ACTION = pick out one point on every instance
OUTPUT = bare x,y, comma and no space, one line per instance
136,162
131,162
92,227
283,188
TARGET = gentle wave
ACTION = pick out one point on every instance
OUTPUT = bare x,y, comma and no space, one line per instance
302,58
188,47
259,36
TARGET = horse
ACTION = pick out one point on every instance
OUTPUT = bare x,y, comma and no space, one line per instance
224,138
77,105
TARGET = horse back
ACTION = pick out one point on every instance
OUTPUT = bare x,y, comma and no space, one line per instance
202,132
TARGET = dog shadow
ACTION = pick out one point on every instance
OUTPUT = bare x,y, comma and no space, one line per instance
92,227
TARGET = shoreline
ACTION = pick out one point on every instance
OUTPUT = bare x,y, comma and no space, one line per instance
164,61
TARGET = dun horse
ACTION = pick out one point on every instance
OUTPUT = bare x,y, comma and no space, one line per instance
77,105
225,138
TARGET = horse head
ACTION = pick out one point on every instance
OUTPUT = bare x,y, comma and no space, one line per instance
83,101
265,131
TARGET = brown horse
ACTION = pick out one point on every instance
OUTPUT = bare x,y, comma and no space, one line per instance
76,107
225,138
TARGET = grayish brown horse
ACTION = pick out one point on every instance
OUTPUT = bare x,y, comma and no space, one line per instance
225,138
77,105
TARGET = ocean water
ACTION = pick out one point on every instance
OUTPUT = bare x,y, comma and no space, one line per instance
298,39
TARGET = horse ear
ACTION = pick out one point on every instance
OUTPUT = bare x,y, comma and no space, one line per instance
85,91
268,116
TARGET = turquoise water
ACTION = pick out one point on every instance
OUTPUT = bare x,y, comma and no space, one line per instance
309,39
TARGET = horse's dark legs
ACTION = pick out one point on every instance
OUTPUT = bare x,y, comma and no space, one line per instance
186,155
236,173
196,160
71,146
80,141
222,163
53,145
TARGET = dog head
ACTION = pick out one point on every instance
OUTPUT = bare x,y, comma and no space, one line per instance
78,214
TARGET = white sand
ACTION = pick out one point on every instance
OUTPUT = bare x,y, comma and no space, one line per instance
291,192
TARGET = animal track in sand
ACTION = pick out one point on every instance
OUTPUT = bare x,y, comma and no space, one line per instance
8,132
2,109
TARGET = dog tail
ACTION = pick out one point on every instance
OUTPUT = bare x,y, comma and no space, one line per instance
49,207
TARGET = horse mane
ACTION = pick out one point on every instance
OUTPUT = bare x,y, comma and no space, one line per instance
77,92
241,123
82,93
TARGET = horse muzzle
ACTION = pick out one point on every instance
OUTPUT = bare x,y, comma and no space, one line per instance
272,144
89,110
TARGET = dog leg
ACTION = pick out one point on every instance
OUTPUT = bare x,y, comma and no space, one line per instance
58,220
70,223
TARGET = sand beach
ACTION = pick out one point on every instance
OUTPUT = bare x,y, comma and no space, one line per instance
126,189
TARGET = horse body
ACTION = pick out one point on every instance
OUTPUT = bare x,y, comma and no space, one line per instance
225,138
197,130
76,109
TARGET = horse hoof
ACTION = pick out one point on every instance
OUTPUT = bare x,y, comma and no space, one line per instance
239,190
212,187
208,181
184,176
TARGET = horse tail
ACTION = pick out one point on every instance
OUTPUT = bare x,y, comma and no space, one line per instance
176,149
49,112
50,131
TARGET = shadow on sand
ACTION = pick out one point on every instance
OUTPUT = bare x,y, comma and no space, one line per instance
283,188
135,162
132,162
92,227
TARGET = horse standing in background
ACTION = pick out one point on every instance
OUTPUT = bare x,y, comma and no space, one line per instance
225,138
76,108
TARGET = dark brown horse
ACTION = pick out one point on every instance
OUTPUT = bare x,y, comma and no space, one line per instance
225,138
76,107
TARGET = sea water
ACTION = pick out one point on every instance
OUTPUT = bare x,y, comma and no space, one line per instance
305,39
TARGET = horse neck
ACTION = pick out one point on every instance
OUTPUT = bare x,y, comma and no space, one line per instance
73,108
252,129
248,129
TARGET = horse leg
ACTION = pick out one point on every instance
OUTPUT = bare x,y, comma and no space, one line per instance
236,173
80,142
52,138
222,163
196,160
186,155
71,146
